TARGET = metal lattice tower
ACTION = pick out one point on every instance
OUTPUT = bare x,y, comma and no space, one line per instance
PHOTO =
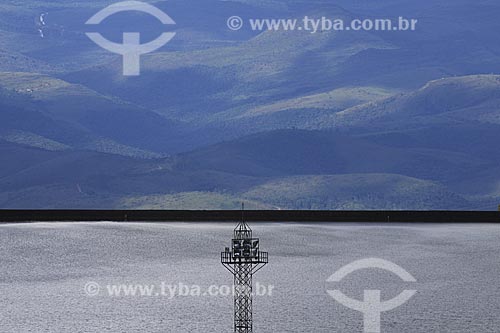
243,260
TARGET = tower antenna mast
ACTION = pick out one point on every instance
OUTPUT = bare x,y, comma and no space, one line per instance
243,259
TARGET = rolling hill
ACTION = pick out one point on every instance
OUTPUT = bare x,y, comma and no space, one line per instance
292,165
356,192
192,201
295,152
450,100
283,119
110,124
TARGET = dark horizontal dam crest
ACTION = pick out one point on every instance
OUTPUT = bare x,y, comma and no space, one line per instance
250,215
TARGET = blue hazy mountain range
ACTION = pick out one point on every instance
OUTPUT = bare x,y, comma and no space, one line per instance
281,119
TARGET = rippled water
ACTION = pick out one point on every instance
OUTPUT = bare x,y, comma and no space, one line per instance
44,268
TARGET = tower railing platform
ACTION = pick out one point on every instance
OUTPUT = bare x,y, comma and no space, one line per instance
227,257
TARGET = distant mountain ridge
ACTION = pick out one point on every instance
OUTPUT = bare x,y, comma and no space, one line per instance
332,120
465,98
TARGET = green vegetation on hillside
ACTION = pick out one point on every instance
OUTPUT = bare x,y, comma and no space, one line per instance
356,192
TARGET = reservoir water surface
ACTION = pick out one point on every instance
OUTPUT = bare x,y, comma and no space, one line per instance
46,268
